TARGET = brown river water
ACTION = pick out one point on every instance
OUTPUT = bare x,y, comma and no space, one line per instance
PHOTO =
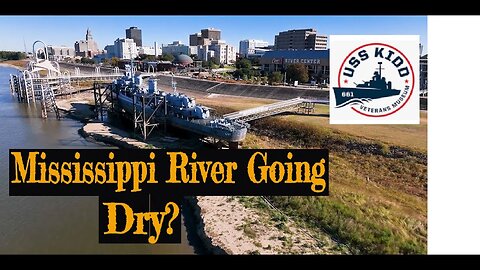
56,225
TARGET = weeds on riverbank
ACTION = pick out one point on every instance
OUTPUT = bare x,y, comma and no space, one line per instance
377,201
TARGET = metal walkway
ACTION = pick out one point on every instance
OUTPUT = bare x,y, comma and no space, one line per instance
271,109
42,80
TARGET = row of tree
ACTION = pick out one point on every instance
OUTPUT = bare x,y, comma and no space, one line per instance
294,72
8,55
164,57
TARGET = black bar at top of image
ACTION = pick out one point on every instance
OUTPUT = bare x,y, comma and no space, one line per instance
269,181
248,7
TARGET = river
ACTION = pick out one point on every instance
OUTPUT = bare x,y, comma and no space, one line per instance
53,225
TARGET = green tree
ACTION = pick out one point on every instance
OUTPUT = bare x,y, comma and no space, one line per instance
297,72
106,61
243,63
255,61
168,57
141,56
114,61
8,55
85,60
150,58
212,63
244,69
275,77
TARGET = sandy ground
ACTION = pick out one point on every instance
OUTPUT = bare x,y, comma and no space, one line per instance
67,102
241,230
10,66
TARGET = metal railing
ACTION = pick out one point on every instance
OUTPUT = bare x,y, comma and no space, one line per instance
266,110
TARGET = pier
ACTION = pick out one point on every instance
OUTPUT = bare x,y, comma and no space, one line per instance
300,105
43,80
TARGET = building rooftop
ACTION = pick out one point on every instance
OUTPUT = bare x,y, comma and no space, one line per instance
305,29
298,54
183,59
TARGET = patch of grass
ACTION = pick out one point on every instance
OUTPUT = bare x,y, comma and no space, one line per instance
401,168
252,202
279,217
249,231
282,226
384,149
366,229
386,214
378,181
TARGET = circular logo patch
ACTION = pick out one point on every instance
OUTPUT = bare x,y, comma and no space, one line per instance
374,80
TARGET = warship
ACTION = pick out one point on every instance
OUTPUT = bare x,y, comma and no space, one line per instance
177,109
377,87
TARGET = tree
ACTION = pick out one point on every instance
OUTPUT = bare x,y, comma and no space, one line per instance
141,56
168,57
212,63
244,69
106,61
150,58
275,77
297,72
255,61
85,60
321,77
7,55
114,61
243,63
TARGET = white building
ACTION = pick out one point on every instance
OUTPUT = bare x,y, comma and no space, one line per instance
224,53
146,50
158,50
248,46
125,48
176,48
193,50
87,47
59,53
204,52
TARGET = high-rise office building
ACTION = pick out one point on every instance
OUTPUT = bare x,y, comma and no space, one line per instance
300,39
135,34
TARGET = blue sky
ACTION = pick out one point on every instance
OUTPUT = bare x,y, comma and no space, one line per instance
65,30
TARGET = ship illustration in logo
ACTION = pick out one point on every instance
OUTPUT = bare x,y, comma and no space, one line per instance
377,87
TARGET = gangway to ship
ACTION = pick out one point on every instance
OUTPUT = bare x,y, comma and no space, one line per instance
275,108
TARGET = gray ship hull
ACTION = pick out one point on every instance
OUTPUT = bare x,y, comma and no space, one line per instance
204,127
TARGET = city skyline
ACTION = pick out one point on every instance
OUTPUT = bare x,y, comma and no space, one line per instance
65,30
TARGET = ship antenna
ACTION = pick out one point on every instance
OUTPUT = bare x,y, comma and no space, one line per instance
380,69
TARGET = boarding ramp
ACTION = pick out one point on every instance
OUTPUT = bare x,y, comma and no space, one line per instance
272,109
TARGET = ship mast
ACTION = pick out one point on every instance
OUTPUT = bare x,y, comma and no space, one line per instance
380,69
